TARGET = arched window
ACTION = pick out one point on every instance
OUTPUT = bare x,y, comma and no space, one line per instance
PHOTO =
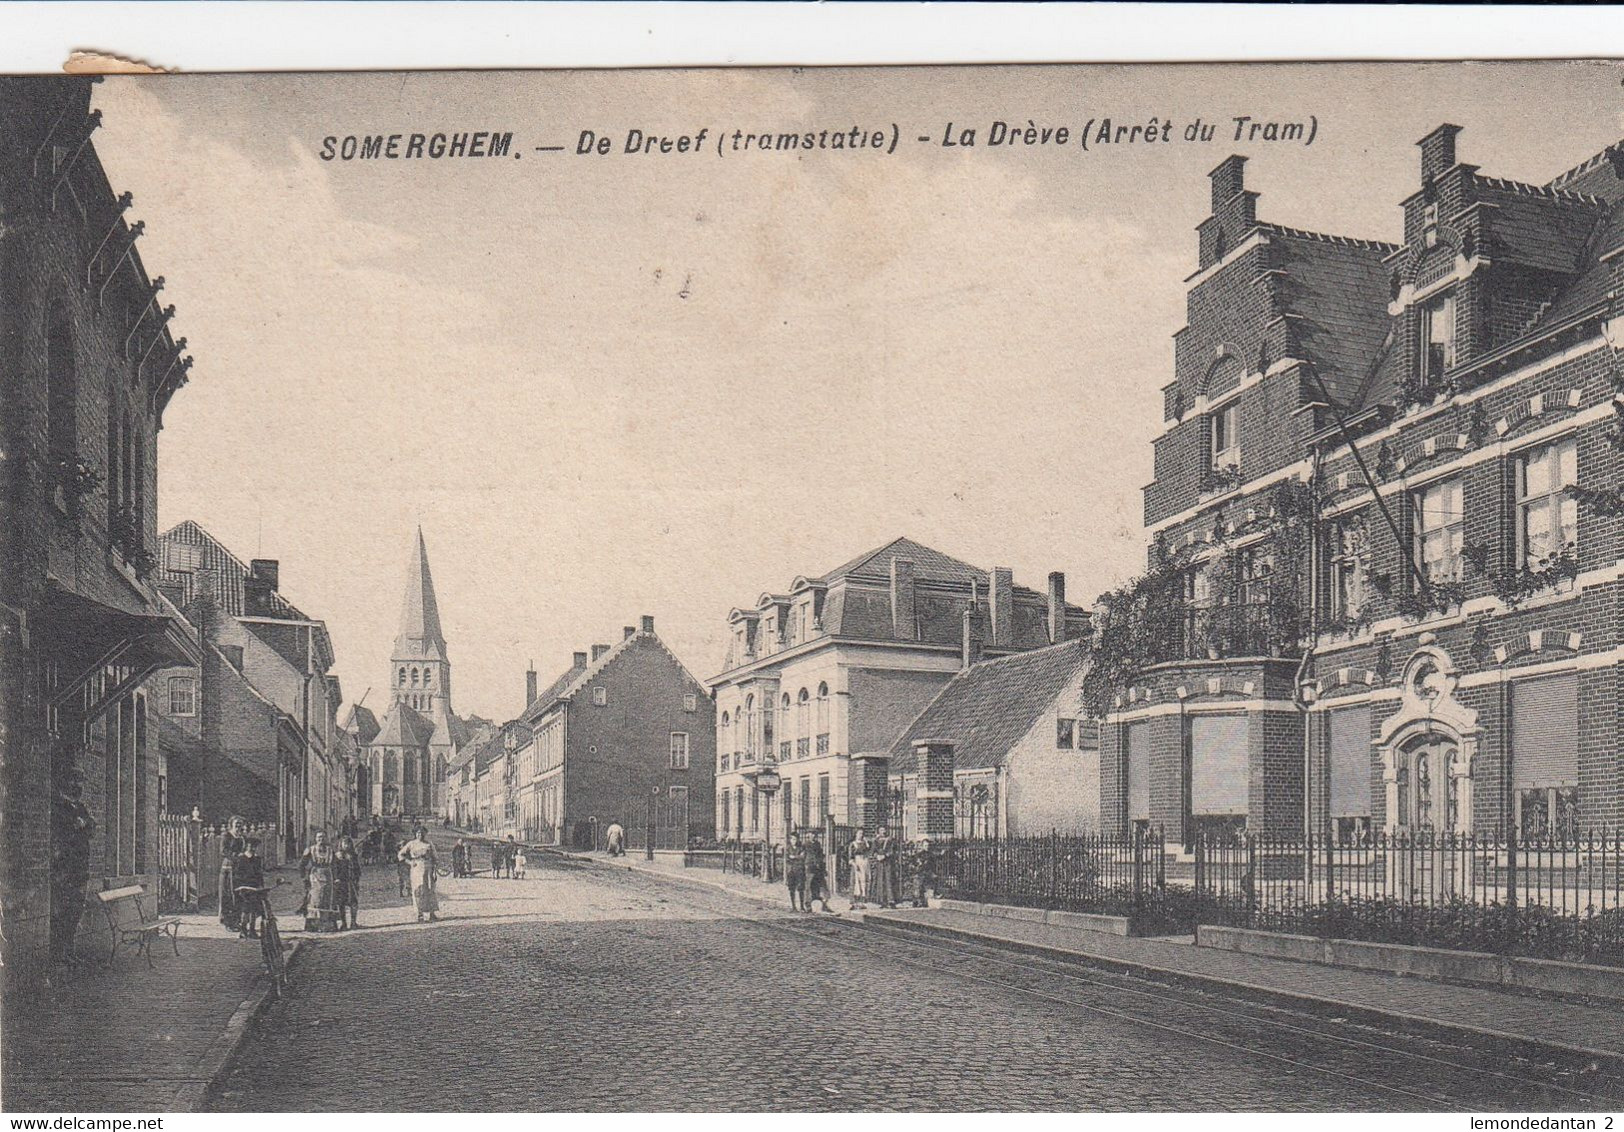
414,677
750,726
803,715
784,732
823,709
428,677
722,734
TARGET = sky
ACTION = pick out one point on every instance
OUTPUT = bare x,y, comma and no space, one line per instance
610,386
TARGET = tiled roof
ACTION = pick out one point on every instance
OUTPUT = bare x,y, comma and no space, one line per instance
549,695
989,707
363,723
1335,295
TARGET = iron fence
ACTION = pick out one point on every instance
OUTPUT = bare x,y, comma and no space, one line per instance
754,859
1549,898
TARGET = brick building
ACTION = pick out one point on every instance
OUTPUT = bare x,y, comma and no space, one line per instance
87,369
843,662
626,724
1385,517
265,671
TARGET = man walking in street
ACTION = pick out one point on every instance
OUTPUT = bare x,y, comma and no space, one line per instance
817,875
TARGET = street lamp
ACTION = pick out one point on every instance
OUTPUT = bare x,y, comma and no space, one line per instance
767,780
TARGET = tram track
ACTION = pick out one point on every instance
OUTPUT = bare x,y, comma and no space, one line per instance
1400,1065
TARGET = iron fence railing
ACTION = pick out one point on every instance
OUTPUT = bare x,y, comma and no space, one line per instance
754,859
1552,897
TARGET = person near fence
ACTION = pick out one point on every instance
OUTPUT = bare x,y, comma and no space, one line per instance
858,853
615,839
248,871
71,827
519,862
418,857
883,875
231,847
795,875
924,874
347,883
817,875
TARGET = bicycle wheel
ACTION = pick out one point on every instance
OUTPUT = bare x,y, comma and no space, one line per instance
276,964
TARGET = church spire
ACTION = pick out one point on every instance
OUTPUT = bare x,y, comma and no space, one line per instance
420,634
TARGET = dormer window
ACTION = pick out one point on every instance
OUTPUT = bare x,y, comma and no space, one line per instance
1438,332
1226,440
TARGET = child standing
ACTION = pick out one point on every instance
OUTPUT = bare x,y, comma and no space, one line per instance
519,862
248,871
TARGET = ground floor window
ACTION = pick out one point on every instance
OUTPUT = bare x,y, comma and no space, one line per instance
1351,832
1548,811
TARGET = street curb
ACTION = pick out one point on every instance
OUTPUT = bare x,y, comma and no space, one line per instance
217,1059
1319,1004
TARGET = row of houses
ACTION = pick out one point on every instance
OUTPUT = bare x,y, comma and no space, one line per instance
1383,591
141,676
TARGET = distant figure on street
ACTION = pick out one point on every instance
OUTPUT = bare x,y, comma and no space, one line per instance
248,871
615,837
510,853
71,827
817,875
924,875
347,881
496,859
231,847
859,851
418,857
459,858
795,876
883,871
403,872
519,862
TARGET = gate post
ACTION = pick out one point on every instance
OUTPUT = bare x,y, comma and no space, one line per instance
868,779
934,762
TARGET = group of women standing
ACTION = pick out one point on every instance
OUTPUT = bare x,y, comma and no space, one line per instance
874,869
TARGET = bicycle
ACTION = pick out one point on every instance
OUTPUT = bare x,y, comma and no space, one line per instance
270,939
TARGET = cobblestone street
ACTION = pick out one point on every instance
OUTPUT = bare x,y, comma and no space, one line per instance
620,991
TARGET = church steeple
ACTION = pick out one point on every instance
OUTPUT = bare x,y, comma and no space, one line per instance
420,670
420,635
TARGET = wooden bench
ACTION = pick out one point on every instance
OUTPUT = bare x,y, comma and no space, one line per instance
127,919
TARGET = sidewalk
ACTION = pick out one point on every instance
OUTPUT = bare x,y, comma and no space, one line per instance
129,1038
1519,1020
773,895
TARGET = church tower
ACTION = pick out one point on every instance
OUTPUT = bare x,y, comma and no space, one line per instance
419,733
420,672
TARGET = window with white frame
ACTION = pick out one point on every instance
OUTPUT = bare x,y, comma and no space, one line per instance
690,702
600,695
1440,527
1065,734
1226,435
1547,516
183,557
1438,332
1350,564
182,695
679,750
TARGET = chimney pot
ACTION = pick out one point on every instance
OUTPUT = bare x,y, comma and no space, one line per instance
648,623
580,660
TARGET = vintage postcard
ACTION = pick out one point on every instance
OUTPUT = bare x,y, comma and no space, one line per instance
1018,588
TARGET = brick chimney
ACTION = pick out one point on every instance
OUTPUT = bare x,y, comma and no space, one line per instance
530,685
970,641
261,582
1228,180
648,623
579,660
598,651
1001,603
1057,607
626,631
1438,151
904,620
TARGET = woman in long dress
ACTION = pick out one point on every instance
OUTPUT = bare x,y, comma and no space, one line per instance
859,851
418,854
231,846
321,895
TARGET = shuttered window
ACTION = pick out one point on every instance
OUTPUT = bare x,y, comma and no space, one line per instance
1138,771
1544,731
1350,763
1220,776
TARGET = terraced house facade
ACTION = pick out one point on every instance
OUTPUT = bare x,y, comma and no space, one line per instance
1385,523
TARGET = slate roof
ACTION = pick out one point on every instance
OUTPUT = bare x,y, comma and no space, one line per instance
989,707
420,634
404,726
928,563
